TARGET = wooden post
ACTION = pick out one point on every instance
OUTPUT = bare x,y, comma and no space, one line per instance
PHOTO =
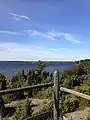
56,95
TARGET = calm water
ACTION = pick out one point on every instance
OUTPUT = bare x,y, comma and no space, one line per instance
10,68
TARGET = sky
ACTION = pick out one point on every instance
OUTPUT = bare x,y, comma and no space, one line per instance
53,30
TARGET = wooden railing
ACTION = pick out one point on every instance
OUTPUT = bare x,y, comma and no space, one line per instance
56,98
11,91
78,94
55,85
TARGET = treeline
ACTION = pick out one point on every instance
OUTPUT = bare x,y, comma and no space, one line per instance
22,79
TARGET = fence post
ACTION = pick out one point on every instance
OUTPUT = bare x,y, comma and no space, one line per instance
56,95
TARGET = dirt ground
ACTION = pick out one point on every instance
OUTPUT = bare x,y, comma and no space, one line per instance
38,104
79,114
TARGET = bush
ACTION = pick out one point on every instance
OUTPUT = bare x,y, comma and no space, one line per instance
69,103
86,90
47,80
23,111
44,93
2,82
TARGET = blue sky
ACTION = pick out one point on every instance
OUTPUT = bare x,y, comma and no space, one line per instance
44,29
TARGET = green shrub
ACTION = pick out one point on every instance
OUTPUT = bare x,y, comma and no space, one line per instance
44,93
47,80
48,107
2,82
23,111
68,103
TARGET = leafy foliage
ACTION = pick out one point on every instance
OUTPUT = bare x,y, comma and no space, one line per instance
2,82
69,105
44,93
40,66
23,111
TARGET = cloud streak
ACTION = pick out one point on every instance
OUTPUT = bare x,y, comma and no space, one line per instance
70,38
53,35
9,32
47,35
66,36
19,17
40,34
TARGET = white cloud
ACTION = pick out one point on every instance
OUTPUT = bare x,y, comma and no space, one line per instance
19,17
16,51
47,35
38,33
66,36
53,35
71,38
9,32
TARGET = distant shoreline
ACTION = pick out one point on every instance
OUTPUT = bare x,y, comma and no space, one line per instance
37,61
10,68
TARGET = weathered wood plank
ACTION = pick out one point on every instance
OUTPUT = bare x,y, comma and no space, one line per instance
10,91
56,95
41,116
75,93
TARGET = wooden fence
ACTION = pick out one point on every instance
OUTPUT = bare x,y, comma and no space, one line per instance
56,98
55,85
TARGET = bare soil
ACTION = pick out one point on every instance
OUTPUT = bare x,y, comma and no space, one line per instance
38,105
79,114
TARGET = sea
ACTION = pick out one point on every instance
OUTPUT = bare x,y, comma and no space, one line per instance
10,68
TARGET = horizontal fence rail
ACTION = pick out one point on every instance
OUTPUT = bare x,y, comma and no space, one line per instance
75,93
45,85
41,116
10,91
